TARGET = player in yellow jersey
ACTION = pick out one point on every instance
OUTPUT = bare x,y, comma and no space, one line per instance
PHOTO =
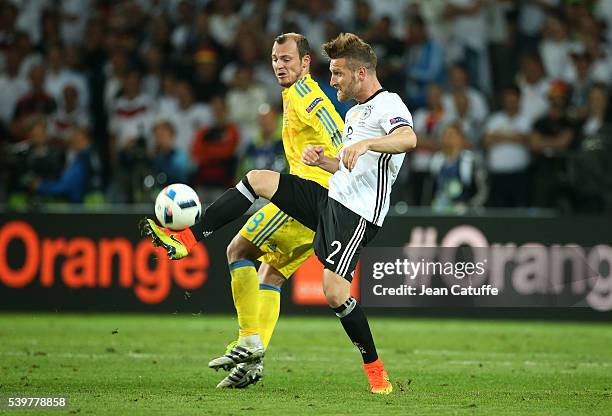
280,242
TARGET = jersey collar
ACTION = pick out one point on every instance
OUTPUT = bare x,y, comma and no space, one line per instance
304,78
372,96
286,90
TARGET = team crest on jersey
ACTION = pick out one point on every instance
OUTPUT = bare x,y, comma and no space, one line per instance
396,120
366,112
314,104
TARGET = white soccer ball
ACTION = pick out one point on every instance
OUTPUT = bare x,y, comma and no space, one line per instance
177,207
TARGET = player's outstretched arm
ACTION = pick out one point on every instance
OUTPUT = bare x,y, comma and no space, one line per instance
400,140
315,156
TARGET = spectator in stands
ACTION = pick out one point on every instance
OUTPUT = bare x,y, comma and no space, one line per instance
158,34
34,157
555,46
214,149
129,123
245,95
534,86
73,60
589,174
206,75
152,79
459,179
531,20
29,56
185,14
464,114
384,42
188,116
170,164
468,37
129,118
424,62
199,37
601,70
77,176
36,101
506,142
59,75
29,19
250,55
74,15
166,100
597,110
428,124
50,29
224,22
459,83
266,150
68,116
582,76
12,86
503,53
115,72
8,27
362,22
552,135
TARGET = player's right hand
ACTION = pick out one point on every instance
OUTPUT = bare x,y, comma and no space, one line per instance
313,155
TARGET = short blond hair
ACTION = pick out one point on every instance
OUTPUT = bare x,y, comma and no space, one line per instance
351,47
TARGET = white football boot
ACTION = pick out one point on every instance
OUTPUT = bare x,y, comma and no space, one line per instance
243,375
237,354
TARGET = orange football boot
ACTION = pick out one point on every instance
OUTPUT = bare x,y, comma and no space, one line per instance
176,243
378,377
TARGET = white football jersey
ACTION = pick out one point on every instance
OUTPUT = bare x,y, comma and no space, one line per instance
367,188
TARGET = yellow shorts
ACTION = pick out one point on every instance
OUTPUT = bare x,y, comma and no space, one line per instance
285,241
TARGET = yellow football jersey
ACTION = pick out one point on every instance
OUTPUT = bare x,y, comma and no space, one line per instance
309,117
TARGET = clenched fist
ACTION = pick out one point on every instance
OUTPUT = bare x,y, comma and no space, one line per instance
313,155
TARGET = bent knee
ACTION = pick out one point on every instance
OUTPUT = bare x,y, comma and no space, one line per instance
256,175
336,289
263,182
335,298
241,249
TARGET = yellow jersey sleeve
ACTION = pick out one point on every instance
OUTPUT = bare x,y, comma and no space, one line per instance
316,110
309,118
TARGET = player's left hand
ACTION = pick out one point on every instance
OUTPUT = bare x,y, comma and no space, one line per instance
352,153
313,155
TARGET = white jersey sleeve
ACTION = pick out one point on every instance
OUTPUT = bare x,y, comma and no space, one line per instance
394,114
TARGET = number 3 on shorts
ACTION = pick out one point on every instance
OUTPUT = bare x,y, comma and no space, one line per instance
338,246
254,223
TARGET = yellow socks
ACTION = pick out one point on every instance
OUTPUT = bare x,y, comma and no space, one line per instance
257,305
269,309
245,290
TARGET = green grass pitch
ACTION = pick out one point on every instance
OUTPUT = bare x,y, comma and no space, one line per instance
157,364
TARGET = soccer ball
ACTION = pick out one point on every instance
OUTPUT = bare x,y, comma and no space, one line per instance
177,207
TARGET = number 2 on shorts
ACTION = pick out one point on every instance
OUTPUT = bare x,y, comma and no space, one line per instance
333,253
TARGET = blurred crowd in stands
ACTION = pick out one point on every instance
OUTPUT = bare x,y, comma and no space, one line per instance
110,100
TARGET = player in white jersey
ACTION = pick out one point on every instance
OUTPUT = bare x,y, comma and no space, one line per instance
377,133
365,190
